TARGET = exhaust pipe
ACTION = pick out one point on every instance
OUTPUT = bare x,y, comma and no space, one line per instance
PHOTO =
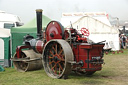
39,23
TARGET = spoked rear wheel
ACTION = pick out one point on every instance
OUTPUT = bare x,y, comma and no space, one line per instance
56,57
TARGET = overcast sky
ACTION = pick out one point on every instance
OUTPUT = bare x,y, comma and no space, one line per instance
53,8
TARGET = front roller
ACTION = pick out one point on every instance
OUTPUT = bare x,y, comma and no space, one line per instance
56,57
28,61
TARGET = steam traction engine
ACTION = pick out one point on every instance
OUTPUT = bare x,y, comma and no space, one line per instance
59,51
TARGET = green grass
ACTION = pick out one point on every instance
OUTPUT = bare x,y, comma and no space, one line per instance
114,72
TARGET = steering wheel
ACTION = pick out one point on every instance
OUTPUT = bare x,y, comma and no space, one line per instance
85,31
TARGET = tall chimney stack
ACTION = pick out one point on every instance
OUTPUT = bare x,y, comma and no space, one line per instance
39,23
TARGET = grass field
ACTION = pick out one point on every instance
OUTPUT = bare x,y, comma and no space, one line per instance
114,72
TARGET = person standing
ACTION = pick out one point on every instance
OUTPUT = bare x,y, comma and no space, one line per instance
123,41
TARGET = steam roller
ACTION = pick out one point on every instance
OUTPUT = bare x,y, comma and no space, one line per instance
59,50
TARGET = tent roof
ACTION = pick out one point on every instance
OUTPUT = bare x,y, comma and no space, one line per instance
4,32
103,20
6,17
31,26
95,26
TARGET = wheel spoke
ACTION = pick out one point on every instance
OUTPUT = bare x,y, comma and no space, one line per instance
54,49
51,53
50,57
54,66
56,69
62,58
60,67
61,51
51,62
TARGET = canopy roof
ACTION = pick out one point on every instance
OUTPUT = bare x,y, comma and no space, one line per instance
31,26
6,17
94,26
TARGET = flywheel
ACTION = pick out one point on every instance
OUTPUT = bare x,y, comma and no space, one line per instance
54,30
56,57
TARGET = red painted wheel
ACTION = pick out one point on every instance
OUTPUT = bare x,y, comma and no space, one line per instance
54,30
85,31
56,57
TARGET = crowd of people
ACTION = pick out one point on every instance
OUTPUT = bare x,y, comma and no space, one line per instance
123,41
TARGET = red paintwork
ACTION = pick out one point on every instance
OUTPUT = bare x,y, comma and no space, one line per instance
55,29
85,46
81,38
19,48
39,46
81,54
66,34
96,51
85,31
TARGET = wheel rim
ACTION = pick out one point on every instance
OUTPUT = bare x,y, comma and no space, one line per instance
56,57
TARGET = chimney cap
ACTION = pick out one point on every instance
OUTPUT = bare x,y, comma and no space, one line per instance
39,10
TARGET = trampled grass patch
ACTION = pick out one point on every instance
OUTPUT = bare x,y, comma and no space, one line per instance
114,72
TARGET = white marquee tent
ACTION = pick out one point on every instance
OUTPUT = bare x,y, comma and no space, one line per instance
99,27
